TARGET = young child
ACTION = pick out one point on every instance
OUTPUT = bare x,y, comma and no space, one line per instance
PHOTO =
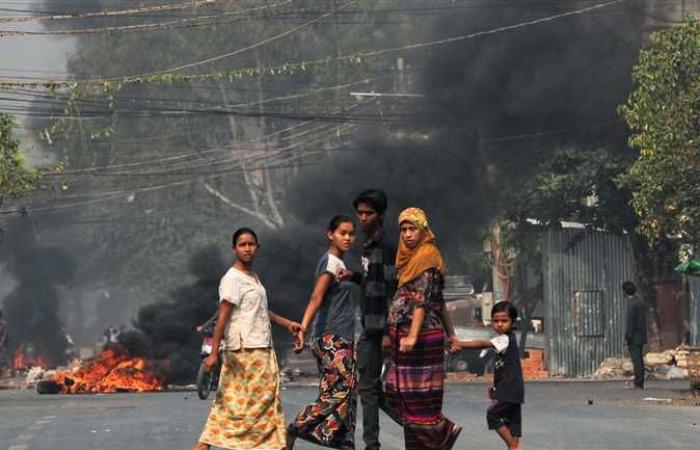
508,391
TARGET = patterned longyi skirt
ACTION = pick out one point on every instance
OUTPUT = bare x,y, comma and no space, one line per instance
247,412
414,390
330,420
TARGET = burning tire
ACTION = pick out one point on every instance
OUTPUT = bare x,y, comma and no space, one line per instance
204,382
48,387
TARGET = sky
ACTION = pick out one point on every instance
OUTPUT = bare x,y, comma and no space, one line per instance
30,56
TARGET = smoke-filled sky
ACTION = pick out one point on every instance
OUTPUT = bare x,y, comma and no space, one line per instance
492,108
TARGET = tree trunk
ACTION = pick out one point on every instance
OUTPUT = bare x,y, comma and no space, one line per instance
644,268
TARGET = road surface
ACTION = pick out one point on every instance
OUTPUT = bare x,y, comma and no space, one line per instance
557,416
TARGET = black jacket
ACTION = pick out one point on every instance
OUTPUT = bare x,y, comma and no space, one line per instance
636,326
378,281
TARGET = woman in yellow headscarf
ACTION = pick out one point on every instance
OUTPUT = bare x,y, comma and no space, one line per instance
418,327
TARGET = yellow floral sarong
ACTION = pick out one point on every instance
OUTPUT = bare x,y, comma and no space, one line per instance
247,411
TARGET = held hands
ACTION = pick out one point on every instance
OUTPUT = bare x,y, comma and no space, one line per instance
343,274
407,343
298,334
211,361
453,345
294,328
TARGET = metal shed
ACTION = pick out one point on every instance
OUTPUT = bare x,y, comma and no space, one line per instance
694,287
584,311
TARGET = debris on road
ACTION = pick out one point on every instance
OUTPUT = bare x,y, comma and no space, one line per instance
666,365
657,400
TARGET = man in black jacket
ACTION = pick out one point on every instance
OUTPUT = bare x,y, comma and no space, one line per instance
635,331
4,350
378,281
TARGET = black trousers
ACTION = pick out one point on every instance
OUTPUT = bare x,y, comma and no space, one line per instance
369,363
637,356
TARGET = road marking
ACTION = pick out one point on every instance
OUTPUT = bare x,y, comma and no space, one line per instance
36,426
25,437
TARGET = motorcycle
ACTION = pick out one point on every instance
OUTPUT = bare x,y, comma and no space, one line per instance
207,381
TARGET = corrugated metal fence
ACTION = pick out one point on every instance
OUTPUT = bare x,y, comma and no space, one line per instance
584,311
694,286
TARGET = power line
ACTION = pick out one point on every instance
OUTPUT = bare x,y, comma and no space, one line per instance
178,103
208,20
114,13
249,47
302,65
117,194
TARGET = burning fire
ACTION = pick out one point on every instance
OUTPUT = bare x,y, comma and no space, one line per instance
25,359
113,370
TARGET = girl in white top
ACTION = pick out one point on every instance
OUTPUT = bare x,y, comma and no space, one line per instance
247,411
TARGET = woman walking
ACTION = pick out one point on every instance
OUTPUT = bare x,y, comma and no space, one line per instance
417,327
247,412
330,319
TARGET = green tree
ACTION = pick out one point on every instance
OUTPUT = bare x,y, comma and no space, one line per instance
16,178
587,187
578,186
663,114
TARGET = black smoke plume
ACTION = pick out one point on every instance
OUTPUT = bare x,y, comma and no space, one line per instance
166,330
494,108
32,309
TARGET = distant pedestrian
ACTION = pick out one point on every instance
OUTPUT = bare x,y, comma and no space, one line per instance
4,350
508,390
635,331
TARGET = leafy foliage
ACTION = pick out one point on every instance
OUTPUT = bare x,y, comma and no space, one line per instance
579,186
663,112
16,179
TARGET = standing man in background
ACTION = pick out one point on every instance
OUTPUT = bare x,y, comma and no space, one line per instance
635,331
378,281
4,350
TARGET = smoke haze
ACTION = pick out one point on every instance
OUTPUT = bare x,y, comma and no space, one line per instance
493,108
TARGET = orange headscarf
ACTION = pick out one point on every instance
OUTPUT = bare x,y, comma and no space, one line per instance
412,262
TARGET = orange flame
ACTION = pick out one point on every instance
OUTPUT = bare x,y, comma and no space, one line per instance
113,370
24,360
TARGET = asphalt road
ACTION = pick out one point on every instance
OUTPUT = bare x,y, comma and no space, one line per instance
557,416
